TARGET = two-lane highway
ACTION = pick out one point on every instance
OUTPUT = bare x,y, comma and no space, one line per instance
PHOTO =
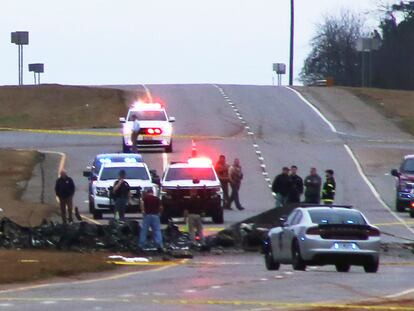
267,128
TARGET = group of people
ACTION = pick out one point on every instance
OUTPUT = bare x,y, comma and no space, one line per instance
289,187
230,175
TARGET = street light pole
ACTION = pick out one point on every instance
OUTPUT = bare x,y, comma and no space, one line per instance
292,35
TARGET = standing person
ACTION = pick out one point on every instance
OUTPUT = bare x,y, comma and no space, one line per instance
151,209
235,178
65,189
313,184
329,188
121,195
281,186
135,132
222,170
192,216
296,189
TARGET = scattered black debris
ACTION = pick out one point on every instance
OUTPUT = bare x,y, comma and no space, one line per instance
116,236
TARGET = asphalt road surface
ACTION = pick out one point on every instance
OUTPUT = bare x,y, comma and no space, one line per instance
266,128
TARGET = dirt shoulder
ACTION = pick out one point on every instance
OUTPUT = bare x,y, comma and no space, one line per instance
16,167
58,106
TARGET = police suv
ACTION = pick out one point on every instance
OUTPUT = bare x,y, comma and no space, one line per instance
138,176
155,127
180,178
404,185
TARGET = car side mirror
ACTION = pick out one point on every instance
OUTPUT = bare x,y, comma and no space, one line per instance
283,221
171,119
122,120
87,174
395,173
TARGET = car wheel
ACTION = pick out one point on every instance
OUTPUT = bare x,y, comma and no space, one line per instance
169,148
97,214
125,148
372,266
218,217
342,267
270,263
297,261
399,206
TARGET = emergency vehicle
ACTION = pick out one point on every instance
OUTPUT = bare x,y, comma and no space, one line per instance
138,176
155,127
181,178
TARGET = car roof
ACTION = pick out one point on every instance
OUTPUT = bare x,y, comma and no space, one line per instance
187,165
117,157
328,208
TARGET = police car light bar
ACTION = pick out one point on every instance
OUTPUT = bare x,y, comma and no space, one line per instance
143,105
201,161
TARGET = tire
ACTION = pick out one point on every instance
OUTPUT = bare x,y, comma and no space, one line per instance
270,263
169,148
125,148
399,206
342,267
297,261
372,266
97,214
218,216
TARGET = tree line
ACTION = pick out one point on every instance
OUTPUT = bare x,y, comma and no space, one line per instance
335,54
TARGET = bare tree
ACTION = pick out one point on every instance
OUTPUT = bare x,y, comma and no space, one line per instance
333,50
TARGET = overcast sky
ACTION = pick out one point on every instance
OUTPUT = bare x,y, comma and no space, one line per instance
160,41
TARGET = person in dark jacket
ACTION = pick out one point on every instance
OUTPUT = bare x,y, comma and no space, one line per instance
313,184
281,186
235,179
121,195
222,170
329,188
296,189
64,190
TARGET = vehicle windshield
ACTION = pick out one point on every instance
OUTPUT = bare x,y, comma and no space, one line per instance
408,166
148,115
190,173
333,216
131,173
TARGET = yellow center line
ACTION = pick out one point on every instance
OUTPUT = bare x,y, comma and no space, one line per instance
110,134
385,224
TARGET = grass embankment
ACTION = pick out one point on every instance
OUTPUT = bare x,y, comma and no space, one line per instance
58,106
16,169
28,266
394,104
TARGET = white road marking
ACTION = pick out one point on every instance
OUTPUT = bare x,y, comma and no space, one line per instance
190,291
215,287
48,302
355,160
279,277
373,190
6,305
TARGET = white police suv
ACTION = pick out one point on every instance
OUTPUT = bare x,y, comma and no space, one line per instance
181,178
137,175
155,127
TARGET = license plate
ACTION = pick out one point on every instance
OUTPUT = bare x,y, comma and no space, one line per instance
344,245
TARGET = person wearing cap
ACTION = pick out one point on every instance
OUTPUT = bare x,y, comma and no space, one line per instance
134,133
151,209
329,188
64,190
120,194
281,186
222,170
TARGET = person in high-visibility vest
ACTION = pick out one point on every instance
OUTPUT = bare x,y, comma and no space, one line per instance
329,188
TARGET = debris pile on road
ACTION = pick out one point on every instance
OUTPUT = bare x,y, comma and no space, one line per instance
116,236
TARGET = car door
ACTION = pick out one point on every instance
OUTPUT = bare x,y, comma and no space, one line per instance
291,234
285,237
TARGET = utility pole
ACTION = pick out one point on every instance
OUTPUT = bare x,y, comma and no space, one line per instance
292,35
